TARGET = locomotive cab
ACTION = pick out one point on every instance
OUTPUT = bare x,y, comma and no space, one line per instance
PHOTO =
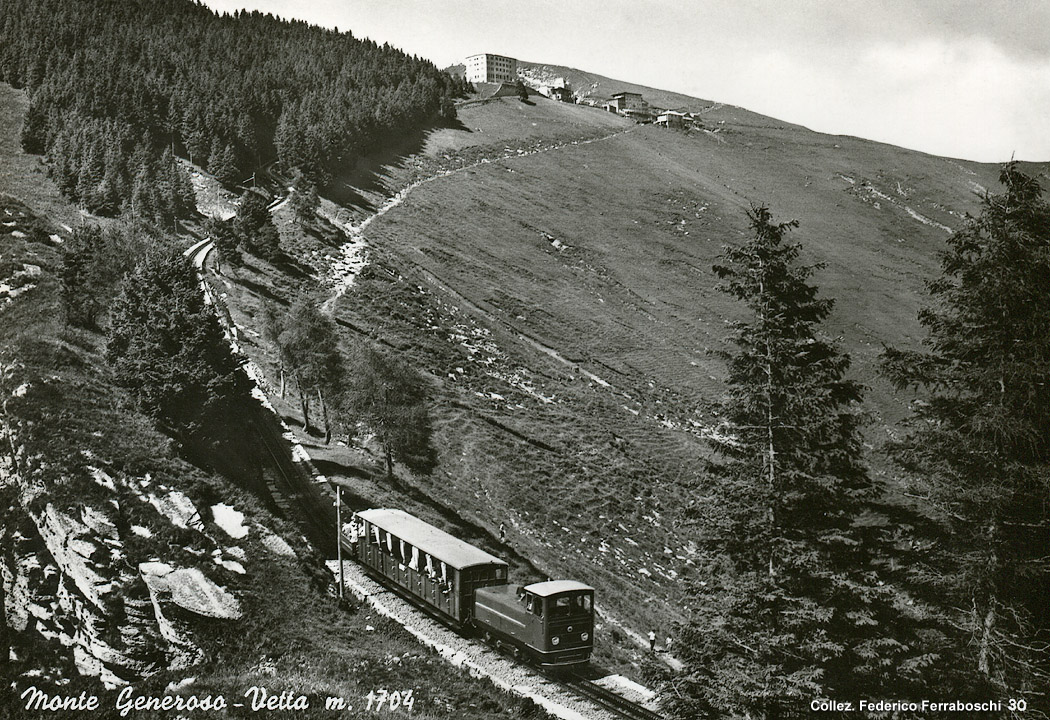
568,620
551,622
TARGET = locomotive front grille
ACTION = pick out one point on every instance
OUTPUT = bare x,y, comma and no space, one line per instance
570,632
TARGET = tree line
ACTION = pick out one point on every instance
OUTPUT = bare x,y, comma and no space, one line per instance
119,89
366,385
799,595
166,347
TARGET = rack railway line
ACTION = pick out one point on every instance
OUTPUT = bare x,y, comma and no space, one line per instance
301,497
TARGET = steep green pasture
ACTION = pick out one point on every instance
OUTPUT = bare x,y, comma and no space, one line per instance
564,305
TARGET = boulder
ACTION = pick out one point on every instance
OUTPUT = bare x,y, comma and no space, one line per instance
191,590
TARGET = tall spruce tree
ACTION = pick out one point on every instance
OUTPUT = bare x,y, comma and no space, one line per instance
784,609
251,213
980,435
227,242
305,202
94,261
167,348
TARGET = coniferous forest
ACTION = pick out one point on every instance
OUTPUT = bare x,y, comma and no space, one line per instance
119,89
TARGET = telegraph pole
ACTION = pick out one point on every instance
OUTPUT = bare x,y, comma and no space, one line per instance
339,535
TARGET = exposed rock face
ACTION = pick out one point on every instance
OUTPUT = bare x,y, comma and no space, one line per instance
190,590
67,580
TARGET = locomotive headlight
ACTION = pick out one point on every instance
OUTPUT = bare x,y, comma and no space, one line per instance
555,640
585,636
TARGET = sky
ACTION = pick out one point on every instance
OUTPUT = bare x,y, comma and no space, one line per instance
965,79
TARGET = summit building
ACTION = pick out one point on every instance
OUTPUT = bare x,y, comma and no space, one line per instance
491,68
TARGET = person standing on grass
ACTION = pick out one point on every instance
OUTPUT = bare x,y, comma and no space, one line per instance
502,533
668,644
652,641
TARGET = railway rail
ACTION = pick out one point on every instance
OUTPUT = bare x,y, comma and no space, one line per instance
317,518
607,699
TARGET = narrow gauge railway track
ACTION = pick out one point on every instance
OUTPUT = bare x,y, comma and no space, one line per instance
572,682
316,517
302,500
297,486
607,699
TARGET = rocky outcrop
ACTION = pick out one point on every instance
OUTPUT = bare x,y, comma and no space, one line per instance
190,590
63,582
67,581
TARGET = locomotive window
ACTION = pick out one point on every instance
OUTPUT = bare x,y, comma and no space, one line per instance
562,606
571,604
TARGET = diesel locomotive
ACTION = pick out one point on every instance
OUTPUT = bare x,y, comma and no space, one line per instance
550,623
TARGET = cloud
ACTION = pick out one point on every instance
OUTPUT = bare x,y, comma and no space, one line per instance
963,98
1019,29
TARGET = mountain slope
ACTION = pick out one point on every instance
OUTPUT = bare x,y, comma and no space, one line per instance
122,563
563,303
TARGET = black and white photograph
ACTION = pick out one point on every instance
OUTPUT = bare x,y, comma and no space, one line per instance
532,360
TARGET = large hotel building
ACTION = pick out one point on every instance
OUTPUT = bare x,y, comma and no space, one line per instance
491,68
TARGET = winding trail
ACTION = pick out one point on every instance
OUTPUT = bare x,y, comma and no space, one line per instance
354,251
343,273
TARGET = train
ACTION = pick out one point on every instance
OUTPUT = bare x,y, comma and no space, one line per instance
548,623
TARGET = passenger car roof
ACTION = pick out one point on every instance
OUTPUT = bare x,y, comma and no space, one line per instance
553,587
438,543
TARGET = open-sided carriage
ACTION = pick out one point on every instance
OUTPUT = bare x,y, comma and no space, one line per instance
428,563
550,623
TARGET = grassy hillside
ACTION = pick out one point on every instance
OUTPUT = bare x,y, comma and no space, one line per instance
23,175
74,446
547,266
564,307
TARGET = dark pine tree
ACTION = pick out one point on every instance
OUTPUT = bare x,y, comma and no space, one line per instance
251,214
94,261
224,235
167,348
305,202
979,442
784,609
266,242
222,163
34,129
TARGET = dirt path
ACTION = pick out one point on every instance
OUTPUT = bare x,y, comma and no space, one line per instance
353,253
